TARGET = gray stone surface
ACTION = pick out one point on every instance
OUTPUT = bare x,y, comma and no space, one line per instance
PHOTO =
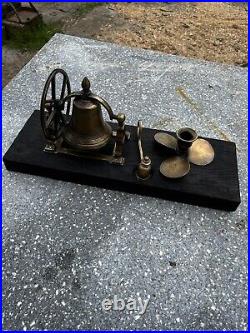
66,247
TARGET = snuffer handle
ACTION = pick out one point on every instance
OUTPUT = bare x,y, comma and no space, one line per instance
144,168
139,132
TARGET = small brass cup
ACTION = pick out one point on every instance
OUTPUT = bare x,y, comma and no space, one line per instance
185,138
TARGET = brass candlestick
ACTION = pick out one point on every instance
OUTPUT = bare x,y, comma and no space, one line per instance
188,148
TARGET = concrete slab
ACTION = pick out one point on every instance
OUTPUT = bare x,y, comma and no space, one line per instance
67,247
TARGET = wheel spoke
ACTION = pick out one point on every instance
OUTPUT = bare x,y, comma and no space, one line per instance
51,117
61,118
68,108
51,108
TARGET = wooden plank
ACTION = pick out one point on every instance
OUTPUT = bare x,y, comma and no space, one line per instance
215,185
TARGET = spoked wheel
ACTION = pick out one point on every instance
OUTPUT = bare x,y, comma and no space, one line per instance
52,106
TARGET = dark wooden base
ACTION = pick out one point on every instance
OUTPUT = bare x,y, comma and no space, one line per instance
215,185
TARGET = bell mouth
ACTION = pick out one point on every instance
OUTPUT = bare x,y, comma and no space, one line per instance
186,134
86,143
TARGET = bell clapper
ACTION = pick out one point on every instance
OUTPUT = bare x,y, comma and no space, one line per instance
144,168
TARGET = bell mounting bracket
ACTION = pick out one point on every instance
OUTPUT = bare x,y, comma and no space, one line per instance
56,112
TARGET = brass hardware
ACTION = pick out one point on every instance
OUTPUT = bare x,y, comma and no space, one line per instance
73,124
81,131
58,148
87,129
188,148
144,168
201,152
175,167
166,140
185,138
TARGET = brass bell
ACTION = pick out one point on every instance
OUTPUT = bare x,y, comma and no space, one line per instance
87,129
83,131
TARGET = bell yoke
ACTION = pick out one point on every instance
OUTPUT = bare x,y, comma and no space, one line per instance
83,129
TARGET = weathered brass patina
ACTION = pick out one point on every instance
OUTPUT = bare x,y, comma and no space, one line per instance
144,168
201,152
185,138
188,148
81,131
166,140
175,167
87,130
